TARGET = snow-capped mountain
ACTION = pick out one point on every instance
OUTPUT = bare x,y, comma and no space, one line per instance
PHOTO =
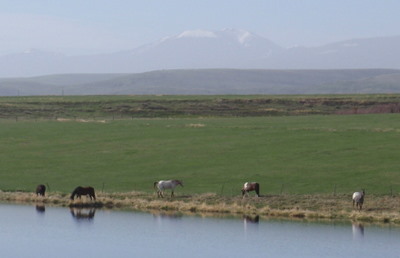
201,49
228,48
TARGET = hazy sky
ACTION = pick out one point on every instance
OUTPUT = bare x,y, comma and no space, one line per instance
76,26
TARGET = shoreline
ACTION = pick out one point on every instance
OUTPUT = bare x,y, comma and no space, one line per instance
376,209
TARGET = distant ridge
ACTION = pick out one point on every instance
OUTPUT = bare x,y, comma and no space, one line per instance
209,82
201,49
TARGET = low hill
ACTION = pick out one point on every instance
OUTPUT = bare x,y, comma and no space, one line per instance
209,82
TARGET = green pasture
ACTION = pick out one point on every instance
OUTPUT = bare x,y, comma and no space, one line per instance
286,154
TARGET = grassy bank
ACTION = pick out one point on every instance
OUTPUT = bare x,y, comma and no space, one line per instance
377,209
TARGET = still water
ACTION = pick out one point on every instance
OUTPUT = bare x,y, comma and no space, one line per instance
29,231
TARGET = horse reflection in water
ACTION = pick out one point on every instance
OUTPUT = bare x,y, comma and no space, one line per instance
40,208
358,230
250,223
251,219
82,214
167,218
79,191
168,184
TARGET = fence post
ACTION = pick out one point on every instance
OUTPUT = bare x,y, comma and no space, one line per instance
334,190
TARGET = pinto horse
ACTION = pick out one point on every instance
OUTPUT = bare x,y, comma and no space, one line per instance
247,187
169,184
79,191
40,190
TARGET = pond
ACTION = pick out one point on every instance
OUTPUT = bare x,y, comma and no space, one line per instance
29,231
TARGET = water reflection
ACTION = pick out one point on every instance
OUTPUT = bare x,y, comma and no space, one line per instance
250,224
358,230
251,219
40,208
167,215
83,214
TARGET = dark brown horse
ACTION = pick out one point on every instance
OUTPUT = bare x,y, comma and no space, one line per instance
40,190
248,187
79,191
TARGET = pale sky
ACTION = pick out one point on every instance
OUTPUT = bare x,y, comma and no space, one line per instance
97,26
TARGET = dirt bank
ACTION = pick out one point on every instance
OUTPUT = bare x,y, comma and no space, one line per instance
377,209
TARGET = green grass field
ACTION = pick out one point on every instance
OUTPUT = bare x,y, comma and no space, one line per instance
289,154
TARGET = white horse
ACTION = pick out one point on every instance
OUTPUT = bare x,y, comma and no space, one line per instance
168,184
358,199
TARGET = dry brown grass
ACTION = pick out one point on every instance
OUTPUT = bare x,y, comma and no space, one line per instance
377,209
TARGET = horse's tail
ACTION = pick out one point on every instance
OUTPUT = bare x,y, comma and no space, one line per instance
362,196
257,189
155,184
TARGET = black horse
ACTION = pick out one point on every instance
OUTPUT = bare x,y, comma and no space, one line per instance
79,191
40,190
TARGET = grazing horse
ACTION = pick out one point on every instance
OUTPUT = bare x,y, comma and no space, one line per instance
79,191
169,184
40,190
247,187
358,199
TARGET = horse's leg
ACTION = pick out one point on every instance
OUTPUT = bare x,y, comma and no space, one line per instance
172,193
246,193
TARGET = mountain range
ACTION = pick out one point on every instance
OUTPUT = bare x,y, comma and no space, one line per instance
229,61
200,49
